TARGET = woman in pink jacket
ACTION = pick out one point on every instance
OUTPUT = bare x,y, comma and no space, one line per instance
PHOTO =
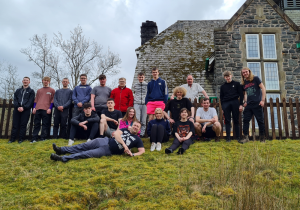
128,119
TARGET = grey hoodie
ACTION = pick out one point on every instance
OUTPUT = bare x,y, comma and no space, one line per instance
140,91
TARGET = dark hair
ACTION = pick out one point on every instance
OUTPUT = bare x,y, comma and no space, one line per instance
205,99
226,73
155,68
136,121
110,99
83,75
141,74
87,105
27,78
102,76
183,109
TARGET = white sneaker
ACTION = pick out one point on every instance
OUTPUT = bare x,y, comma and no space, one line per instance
158,146
71,142
88,140
152,148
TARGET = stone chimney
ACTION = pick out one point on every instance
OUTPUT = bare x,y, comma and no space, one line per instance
148,31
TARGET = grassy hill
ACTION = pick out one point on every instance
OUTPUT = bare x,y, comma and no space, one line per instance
208,176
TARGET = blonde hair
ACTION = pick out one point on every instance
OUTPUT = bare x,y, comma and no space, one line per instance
251,75
122,78
179,89
125,118
158,109
47,78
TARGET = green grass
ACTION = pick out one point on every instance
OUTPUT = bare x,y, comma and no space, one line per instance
208,176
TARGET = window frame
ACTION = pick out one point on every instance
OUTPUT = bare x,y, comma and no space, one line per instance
263,49
266,76
258,47
260,76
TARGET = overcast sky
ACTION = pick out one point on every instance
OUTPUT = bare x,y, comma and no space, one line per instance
112,23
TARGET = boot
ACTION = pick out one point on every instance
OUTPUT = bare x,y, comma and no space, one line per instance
244,140
262,138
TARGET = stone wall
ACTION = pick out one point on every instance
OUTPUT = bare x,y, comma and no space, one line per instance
258,17
178,51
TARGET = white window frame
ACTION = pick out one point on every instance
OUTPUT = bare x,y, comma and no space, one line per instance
264,48
259,69
266,76
258,50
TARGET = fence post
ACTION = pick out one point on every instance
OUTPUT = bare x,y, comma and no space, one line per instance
2,117
221,118
266,119
279,118
253,128
272,119
298,116
292,118
286,126
241,125
8,118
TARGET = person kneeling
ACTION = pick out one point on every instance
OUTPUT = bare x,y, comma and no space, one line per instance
124,140
183,130
158,130
207,124
85,125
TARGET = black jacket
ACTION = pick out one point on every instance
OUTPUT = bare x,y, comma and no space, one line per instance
231,91
24,98
94,118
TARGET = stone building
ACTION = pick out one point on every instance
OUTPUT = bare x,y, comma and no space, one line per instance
262,34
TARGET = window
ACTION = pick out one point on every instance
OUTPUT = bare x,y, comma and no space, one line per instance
288,4
252,44
271,76
269,47
255,68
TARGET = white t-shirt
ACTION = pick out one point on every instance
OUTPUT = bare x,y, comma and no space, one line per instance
192,92
211,112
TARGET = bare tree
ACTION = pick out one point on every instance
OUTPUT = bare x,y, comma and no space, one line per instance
9,81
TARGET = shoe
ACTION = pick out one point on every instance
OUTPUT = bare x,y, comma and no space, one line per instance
71,142
88,140
262,138
158,146
42,139
152,148
168,151
217,139
206,139
56,149
244,140
33,141
20,141
180,151
11,141
55,157
228,140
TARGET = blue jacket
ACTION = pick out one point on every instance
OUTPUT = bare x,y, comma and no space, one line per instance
162,122
157,91
81,93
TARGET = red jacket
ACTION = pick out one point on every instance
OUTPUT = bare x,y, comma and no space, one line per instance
123,98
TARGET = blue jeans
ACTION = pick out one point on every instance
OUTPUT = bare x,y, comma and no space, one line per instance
141,115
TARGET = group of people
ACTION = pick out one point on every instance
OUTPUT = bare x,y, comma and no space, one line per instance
118,117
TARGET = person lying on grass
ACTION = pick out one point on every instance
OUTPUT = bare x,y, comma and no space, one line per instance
124,139
128,119
158,130
182,130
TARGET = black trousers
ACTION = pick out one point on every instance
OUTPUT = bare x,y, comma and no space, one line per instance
158,134
20,120
229,107
60,118
185,145
41,115
90,133
99,111
257,111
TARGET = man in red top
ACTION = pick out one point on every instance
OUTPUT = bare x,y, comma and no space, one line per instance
122,96
42,107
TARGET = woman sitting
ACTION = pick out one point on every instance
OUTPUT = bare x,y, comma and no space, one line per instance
182,130
158,130
128,119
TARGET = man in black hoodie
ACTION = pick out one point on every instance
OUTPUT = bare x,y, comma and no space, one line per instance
86,124
230,93
23,101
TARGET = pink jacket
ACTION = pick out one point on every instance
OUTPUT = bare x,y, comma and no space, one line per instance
126,124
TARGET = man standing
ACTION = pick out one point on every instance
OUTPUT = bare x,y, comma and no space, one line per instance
62,103
193,89
109,119
122,96
230,93
23,101
140,91
254,100
42,107
81,94
207,124
99,96
124,140
85,125
157,94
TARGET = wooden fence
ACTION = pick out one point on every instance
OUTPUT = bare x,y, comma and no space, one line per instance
287,124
